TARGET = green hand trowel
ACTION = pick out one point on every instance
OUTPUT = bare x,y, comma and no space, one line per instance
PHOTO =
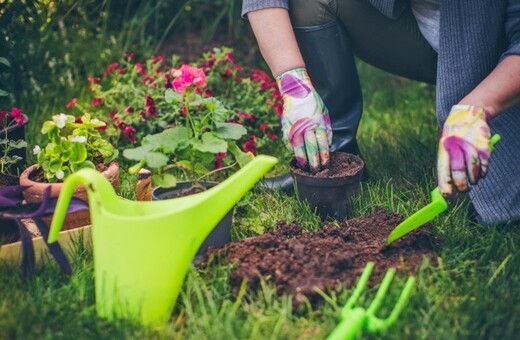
429,212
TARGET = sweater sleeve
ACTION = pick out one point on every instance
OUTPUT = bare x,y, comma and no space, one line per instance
255,5
512,28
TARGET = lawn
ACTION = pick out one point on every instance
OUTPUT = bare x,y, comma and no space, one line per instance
471,290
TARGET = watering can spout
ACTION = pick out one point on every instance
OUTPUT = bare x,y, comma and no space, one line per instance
95,184
227,193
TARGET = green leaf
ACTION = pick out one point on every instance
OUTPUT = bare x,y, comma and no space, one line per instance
165,180
170,96
156,159
230,130
137,154
3,93
79,153
211,143
242,157
5,62
18,144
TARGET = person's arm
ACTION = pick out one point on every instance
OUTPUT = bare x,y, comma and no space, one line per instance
305,120
275,37
500,90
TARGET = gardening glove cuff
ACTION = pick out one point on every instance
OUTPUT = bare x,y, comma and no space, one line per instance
464,148
305,122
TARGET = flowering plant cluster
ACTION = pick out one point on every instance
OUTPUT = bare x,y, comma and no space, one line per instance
8,121
73,143
203,136
131,98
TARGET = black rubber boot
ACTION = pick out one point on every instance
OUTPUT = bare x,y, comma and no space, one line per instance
329,60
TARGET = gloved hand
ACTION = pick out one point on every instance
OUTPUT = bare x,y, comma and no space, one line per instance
464,148
305,119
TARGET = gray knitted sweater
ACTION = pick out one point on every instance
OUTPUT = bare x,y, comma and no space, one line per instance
474,36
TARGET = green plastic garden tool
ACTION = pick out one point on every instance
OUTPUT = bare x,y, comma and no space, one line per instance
143,249
426,214
356,319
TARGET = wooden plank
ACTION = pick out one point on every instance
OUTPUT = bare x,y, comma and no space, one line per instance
67,240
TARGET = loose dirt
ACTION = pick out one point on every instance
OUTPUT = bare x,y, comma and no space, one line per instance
297,262
340,165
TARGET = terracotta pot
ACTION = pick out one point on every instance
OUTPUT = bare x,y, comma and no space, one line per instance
34,193
219,236
331,196
16,132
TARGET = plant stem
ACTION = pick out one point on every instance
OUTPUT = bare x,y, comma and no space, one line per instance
217,170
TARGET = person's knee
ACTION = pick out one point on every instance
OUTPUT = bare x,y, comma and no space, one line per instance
307,13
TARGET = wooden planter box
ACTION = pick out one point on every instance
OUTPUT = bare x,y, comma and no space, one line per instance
67,239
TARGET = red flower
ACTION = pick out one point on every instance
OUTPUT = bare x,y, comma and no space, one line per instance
110,68
271,135
140,69
96,102
121,71
218,159
112,114
151,112
230,57
72,103
16,112
167,81
246,116
157,59
184,110
264,126
129,109
3,114
129,56
93,80
148,101
78,120
250,145
129,133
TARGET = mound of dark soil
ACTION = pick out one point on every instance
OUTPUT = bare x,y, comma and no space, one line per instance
297,262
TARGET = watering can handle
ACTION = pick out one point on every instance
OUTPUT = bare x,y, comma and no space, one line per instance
95,184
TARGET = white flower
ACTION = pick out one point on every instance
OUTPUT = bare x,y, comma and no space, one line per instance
60,120
37,150
78,139
60,174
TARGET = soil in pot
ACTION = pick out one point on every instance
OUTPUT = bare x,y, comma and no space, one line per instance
330,190
34,179
296,262
220,235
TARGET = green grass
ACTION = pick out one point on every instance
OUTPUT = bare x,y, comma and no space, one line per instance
472,291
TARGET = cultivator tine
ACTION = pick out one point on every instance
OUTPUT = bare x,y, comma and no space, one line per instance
356,319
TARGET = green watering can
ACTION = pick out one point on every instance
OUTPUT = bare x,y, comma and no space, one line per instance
143,250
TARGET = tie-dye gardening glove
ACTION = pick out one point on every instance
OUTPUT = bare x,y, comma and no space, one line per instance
464,148
305,120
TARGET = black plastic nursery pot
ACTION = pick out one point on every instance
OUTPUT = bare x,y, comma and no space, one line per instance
330,192
219,236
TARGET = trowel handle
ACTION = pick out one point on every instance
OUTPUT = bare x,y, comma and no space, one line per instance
493,140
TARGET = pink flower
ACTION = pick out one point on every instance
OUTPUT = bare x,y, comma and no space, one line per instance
110,68
96,102
246,116
3,114
187,75
264,126
72,103
151,112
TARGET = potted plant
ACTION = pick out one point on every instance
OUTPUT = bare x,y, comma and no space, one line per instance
330,190
195,149
12,145
72,143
